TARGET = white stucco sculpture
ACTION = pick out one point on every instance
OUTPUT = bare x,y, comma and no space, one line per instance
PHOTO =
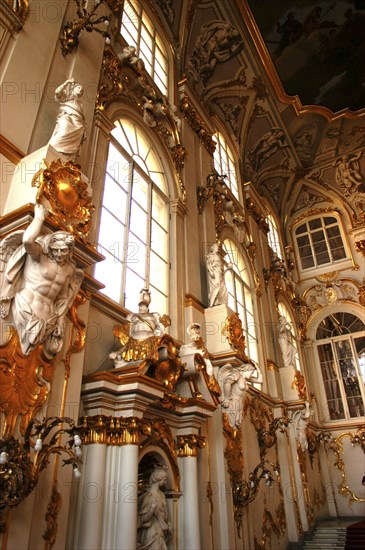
348,174
70,124
153,526
145,330
300,420
195,346
217,290
286,342
233,383
39,282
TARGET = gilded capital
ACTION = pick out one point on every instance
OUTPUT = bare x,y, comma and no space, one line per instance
109,430
188,445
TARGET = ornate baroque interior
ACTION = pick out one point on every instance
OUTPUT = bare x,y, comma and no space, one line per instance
182,354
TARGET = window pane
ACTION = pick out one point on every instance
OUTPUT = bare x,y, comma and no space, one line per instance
138,221
301,229
329,221
315,224
109,272
159,210
158,240
349,378
115,199
159,301
133,285
111,230
140,190
158,272
330,380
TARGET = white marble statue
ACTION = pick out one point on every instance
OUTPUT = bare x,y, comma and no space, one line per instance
300,420
153,526
217,290
286,342
69,131
145,331
233,383
196,346
39,282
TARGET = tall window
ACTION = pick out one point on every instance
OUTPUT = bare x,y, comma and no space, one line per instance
240,295
341,352
320,242
139,31
224,163
133,233
273,237
283,310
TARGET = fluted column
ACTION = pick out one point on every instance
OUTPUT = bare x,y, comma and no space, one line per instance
126,516
188,446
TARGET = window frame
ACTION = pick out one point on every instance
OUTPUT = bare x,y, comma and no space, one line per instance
246,285
156,40
223,144
134,169
347,260
276,241
332,340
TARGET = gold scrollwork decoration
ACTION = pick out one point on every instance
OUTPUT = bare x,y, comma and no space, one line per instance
300,385
336,446
233,331
24,381
62,185
53,509
19,7
270,526
197,124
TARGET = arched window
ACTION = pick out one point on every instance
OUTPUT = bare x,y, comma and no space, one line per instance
319,242
341,351
139,31
283,310
273,237
240,295
133,232
224,163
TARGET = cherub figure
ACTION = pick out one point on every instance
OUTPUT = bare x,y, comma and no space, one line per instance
39,281
348,173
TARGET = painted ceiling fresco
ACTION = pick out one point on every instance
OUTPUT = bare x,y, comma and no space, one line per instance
318,48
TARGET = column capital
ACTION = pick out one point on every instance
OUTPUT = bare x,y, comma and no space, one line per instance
188,445
178,207
109,430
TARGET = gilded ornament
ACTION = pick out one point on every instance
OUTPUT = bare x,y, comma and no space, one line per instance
257,215
188,444
25,383
197,124
271,526
233,331
300,385
62,185
53,509
88,21
19,7
336,447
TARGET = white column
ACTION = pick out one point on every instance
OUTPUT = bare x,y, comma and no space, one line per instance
93,490
126,519
191,525
188,451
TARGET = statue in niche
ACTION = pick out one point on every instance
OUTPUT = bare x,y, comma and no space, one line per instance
348,173
196,345
217,290
300,420
145,331
233,383
153,526
266,146
39,283
218,42
69,131
286,342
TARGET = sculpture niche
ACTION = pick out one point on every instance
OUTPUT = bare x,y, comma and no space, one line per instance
39,282
286,342
153,526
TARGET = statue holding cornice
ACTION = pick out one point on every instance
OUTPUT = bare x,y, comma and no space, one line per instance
145,331
39,282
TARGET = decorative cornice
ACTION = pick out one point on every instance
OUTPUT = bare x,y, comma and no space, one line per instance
197,124
114,431
10,151
188,445
192,301
257,215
